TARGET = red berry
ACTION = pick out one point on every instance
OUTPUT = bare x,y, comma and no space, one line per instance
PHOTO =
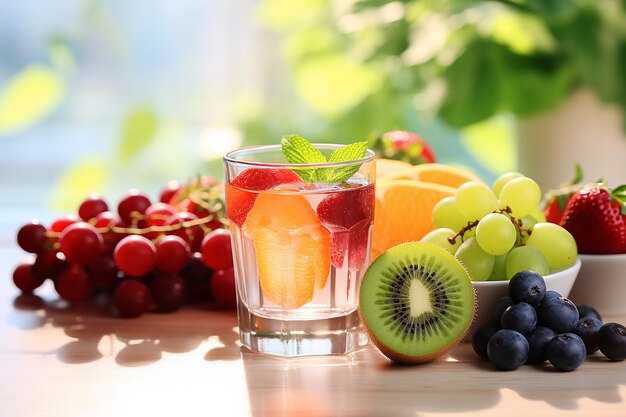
49,264
594,218
135,255
216,250
81,243
405,146
132,206
223,288
192,235
62,223
168,292
172,254
157,215
239,198
348,216
24,279
91,207
32,237
168,191
74,285
197,278
103,272
106,220
132,298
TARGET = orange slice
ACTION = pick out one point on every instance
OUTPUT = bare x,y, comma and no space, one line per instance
386,167
292,248
403,211
441,174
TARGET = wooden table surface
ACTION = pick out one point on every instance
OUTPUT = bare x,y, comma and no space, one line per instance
60,361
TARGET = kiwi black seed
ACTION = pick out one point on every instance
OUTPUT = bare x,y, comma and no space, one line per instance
417,302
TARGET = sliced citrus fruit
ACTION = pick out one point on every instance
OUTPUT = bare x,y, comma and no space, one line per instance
292,248
386,167
441,174
403,211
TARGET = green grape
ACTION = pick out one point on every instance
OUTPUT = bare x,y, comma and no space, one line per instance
528,222
555,243
538,215
522,195
475,200
478,263
439,237
446,214
525,258
496,234
502,180
498,273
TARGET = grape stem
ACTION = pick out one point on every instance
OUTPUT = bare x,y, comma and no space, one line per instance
157,229
507,212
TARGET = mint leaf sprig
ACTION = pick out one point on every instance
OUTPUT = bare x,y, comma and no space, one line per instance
298,150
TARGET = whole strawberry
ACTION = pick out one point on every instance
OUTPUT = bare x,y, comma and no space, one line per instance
596,217
557,199
403,145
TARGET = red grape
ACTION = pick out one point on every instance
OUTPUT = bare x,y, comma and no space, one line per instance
49,264
92,206
103,272
135,255
168,292
192,235
74,285
223,288
172,254
158,213
81,243
132,205
24,279
108,219
32,237
197,279
132,298
62,223
168,191
216,250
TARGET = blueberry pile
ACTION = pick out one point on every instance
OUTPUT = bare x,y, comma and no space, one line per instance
533,325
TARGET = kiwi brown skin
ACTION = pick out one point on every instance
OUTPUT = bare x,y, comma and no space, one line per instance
402,358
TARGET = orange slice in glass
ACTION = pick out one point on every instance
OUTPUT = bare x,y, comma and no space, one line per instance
292,248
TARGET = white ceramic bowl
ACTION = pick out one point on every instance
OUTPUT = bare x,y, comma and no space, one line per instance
488,293
601,283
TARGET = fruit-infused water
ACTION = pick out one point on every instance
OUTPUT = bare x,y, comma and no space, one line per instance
300,250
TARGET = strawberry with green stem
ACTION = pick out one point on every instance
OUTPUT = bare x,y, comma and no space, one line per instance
556,200
596,217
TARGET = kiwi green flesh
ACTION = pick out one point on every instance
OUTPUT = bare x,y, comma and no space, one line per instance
416,301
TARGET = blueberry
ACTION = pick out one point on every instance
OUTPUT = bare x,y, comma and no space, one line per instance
566,352
507,349
559,314
502,304
481,337
520,317
612,341
588,311
587,329
551,294
528,287
538,339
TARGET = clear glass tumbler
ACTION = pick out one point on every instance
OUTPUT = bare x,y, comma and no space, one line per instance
300,249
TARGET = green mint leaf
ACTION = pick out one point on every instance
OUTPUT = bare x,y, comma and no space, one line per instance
298,150
347,153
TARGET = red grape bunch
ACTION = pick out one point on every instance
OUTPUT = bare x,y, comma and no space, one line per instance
146,255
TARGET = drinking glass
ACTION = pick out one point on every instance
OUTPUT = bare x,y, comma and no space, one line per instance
300,249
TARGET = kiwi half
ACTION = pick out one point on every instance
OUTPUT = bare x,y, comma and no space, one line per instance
417,302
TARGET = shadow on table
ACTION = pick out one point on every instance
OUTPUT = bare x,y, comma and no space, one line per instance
547,384
359,384
93,333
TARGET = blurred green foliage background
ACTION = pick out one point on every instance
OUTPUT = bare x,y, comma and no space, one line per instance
126,95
